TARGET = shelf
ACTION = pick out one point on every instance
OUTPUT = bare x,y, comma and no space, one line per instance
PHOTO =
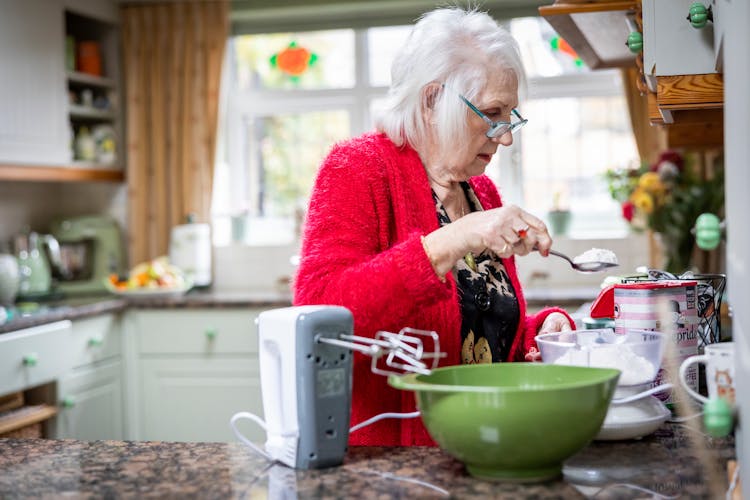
22,417
85,79
597,31
64,173
86,113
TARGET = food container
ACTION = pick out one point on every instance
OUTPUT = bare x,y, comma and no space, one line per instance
635,306
633,412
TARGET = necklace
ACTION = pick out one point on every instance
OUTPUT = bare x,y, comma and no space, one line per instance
469,257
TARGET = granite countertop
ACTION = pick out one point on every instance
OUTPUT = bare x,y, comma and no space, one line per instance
26,315
661,464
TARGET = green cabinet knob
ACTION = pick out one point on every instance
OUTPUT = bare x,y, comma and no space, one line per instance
635,42
95,342
699,15
707,231
68,402
211,333
717,417
30,359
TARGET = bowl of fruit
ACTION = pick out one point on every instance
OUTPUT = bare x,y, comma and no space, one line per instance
152,279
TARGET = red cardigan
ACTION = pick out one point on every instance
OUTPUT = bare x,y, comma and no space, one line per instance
361,249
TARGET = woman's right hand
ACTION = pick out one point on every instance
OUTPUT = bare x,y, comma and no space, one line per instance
507,231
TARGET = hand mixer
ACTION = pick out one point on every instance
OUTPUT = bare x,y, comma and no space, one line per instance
306,378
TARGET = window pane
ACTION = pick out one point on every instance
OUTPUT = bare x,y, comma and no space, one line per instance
284,152
292,147
543,51
383,43
567,147
317,59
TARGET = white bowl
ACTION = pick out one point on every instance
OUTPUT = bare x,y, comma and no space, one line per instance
637,353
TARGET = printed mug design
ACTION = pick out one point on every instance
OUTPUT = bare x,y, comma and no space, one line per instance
724,387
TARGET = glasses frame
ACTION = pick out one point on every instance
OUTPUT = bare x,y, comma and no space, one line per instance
499,128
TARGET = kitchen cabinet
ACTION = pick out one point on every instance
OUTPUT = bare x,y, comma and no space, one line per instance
34,356
678,63
35,113
596,30
90,396
31,359
192,370
33,127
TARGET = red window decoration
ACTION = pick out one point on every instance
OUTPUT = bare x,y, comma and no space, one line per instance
559,44
293,60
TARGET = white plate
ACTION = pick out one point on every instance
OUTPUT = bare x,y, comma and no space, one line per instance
150,293
634,420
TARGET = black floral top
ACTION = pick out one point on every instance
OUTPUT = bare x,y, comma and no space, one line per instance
489,307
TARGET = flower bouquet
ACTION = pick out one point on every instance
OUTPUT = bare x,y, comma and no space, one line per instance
666,197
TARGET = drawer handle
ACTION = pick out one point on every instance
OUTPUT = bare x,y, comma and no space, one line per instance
699,15
211,333
68,402
635,42
95,342
30,359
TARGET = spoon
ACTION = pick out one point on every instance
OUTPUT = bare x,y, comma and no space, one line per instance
584,267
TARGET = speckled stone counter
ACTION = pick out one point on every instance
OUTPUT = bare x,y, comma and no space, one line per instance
33,314
662,464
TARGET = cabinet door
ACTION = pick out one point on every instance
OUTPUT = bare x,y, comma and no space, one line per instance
95,339
671,46
33,123
91,403
193,399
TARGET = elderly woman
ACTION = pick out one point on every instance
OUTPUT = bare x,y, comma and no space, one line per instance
405,230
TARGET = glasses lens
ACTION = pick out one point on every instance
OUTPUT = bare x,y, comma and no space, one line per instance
499,129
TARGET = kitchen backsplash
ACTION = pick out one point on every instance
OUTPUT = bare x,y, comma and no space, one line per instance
35,205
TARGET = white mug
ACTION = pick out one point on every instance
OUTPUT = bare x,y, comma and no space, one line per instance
719,361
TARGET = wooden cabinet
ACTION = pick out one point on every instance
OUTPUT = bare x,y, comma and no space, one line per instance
192,370
90,396
35,114
678,64
596,30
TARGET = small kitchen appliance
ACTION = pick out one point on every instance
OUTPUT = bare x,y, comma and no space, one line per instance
306,384
90,250
190,250
35,275
306,379
634,412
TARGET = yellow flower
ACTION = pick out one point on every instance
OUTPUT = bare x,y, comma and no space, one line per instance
651,182
642,201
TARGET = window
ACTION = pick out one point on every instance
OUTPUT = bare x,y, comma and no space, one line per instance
278,127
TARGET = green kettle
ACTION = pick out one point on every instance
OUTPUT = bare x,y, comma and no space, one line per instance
34,268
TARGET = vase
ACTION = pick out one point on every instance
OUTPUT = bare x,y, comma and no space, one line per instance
559,221
674,252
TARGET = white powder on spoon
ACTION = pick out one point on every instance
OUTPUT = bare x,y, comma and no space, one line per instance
596,255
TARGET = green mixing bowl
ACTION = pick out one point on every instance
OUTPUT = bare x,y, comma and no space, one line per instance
512,421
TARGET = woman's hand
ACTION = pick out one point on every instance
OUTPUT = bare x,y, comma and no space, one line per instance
508,230
555,322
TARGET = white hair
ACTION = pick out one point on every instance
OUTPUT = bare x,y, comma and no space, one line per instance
450,46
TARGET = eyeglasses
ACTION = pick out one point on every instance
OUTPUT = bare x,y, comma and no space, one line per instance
497,129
